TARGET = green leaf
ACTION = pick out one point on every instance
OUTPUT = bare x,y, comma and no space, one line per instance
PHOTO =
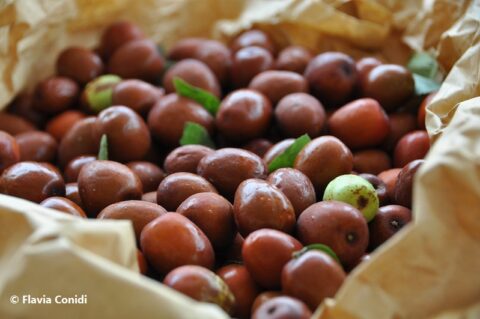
103,150
287,158
209,101
423,64
424,85
329,251
194,133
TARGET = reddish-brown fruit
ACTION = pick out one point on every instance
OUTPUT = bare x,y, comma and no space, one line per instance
171,241
360,124
413,146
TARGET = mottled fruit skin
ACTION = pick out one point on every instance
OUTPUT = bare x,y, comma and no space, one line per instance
248,62
332,77
300,113
32,181
391,85
171,241
337,225
193,72
228,167
186,158
101,183
312,277
404,184
243,287
323,159
296,187
243,115
138,59
360,124
138,95
79,64
201,284
371,161
293,58
250,38
259,204
356,191
380,187
116,35
277,84
63,205
282,308
55,94
140,213
213,214
265,252
412,146
9,151
150,174
169,115
388,221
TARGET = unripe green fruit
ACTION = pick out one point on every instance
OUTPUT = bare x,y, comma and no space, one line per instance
99,91
356,191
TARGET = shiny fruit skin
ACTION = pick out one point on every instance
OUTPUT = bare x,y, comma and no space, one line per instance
387,222
332,77
312,277
338,225
282,307
323,159
213,214
360,124
171,241
412,146
404,184
32,181
201,284
259,204
265,252
296,187
242,286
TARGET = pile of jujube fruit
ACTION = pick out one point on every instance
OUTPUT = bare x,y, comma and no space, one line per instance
255,177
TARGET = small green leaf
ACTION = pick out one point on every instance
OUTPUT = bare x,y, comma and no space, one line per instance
209,101
424,85
103,150
329,251
194,133
423,64
287,158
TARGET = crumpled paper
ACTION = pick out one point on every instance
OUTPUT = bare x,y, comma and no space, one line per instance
430,270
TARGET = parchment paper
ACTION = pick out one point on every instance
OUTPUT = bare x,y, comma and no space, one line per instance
431,270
